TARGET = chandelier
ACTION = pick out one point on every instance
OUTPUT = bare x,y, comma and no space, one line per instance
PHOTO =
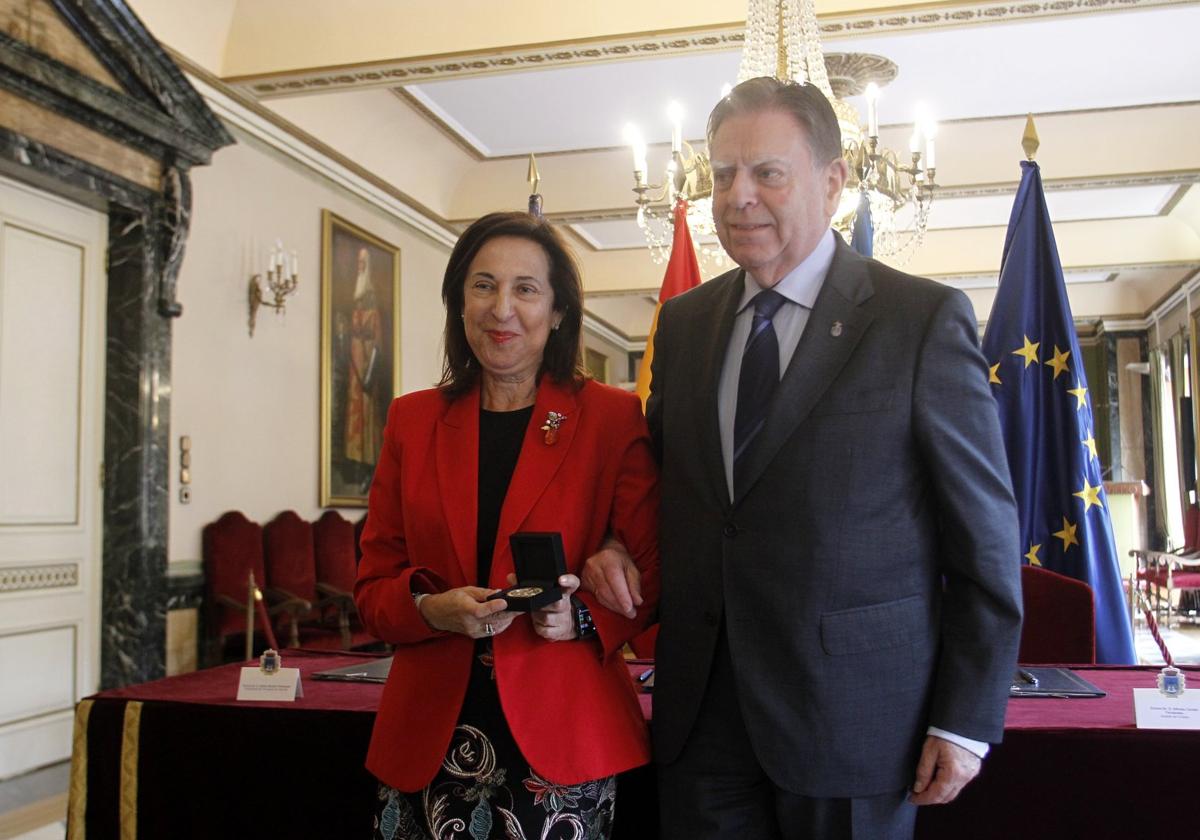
784,41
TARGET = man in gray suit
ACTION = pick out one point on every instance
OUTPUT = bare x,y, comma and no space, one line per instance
840,597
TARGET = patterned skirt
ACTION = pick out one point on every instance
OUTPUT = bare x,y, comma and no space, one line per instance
485,790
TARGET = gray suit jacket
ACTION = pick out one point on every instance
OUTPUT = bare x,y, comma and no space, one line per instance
868,575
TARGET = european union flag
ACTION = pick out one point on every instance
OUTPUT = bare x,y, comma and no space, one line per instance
1038,380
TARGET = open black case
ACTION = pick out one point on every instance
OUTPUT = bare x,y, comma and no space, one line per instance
539,561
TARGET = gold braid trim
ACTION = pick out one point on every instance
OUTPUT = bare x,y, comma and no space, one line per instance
77,789
130,735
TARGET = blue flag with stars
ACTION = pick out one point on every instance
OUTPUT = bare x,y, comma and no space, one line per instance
1037,377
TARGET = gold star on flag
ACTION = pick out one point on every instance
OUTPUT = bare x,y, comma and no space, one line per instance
1059,362
1029,351
1067,534
1032,555
1090,443
993,375
1080,394
1090,495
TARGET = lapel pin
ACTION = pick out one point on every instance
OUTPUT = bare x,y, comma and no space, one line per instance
836,329
554,419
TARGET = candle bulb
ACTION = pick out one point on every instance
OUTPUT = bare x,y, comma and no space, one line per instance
930,133
914,142
872,94
675,115
295,265
633,136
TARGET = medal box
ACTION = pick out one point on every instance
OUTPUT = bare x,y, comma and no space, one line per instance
539,560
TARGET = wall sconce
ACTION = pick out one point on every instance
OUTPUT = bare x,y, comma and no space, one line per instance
280,282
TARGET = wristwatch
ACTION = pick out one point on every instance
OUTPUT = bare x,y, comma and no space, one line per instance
581,617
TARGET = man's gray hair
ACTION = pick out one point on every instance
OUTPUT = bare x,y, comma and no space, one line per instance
804,102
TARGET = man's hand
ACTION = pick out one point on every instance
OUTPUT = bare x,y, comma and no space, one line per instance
555,622
611,576
943,770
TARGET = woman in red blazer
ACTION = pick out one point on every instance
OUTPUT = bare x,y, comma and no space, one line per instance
498,723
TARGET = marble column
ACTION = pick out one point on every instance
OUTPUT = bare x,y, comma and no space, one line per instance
136,453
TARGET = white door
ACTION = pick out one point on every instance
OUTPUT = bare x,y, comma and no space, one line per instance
52,293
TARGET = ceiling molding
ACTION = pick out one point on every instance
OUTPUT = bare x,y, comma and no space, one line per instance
1115,325
604,330
487,62
237,110
1183,177
437,122
1176,296
989,280
723,37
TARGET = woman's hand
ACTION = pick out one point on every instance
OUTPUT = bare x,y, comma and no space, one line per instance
555,622
466,610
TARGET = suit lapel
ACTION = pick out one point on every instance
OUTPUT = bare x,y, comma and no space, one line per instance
835,326
711,359
537,465
457,459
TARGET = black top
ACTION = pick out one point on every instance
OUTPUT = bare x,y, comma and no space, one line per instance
500,436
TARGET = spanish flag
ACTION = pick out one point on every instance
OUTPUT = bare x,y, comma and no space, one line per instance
683,273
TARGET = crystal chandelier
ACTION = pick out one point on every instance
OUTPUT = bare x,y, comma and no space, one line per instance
784,41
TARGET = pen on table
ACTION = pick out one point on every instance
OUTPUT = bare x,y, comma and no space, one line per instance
645,675
1027,677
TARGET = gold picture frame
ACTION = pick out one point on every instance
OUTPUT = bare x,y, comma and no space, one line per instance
360,355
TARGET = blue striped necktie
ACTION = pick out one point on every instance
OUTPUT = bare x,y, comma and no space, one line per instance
757,380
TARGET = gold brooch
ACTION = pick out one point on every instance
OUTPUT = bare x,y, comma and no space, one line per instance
553,420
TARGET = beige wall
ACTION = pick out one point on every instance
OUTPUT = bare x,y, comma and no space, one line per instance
618,359
250,405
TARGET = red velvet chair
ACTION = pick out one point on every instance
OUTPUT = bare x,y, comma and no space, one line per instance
232,550
333,545
1170,578
1060,619
291,570
358,529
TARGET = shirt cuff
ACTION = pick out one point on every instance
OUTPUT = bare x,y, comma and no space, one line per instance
980,748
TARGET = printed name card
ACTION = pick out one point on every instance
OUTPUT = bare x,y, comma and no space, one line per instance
281,686
1155,710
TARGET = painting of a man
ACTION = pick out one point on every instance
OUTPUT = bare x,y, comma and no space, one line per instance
360,299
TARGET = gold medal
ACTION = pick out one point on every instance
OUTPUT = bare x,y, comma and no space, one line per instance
525,592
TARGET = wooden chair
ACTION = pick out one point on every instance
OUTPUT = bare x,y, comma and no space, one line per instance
333,545
1060,619
232,548
1171,578
291,570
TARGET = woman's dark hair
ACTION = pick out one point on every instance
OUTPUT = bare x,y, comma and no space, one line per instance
563,358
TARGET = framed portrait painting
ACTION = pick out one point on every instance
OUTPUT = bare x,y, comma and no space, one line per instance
360,356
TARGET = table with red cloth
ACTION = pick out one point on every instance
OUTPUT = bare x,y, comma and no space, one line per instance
181,758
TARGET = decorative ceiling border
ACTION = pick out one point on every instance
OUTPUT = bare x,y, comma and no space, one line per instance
487,62
899,19
1182,177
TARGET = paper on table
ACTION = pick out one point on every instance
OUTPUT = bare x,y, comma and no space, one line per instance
283,686
1155,710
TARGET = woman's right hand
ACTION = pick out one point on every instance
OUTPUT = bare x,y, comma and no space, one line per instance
466,610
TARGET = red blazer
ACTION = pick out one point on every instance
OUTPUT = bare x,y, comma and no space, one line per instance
571,705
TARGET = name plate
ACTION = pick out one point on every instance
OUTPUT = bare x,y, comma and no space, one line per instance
282,686
1155,710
